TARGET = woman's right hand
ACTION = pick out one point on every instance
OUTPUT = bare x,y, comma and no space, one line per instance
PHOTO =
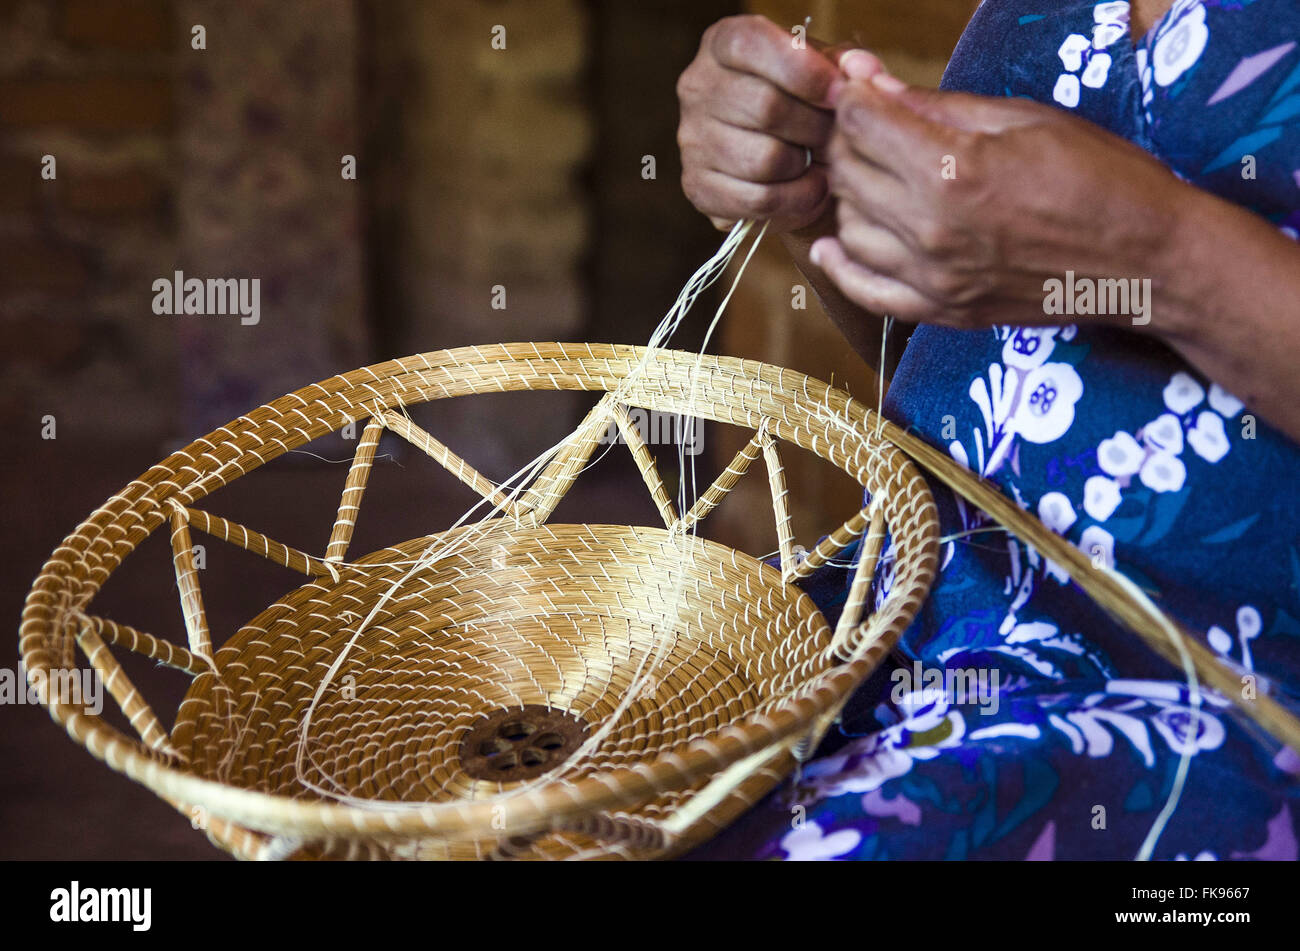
756,116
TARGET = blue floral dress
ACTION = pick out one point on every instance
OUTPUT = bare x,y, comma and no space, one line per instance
1017,720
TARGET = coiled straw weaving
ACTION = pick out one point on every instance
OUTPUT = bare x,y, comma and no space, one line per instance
536,690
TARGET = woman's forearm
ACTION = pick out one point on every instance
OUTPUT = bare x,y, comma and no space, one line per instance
1228,300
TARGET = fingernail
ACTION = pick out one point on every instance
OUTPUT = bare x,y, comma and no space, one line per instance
815,252
859,64
887,83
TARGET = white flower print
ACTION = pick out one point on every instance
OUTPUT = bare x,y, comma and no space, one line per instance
1183,393
810,844
1024,397
1220,639
1066,91
1104,35
1041,634
1187,730
1223,402
1180,45
1208,438
1121,455
1094,77
1099,545
1128,706
1047,409
869,763
1071,51
1078,52
1031,631
1028,347
1155,460
1164,434
1115,13
1101,497
1163,472
1056,512
1249,621
1249,624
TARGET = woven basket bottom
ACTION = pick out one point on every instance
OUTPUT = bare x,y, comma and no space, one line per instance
564,617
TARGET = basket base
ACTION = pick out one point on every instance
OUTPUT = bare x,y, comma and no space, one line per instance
515,648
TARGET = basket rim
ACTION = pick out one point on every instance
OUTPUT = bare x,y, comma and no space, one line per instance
866,451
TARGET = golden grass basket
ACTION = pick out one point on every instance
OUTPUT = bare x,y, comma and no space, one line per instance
543,690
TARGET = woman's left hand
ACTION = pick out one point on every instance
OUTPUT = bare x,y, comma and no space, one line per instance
956,209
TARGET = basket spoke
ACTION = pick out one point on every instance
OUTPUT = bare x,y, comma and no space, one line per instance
155,648
646,463
187,582
259,544
353,490
833,544
780,504
723,484
439,453
562,471
129,700
861,587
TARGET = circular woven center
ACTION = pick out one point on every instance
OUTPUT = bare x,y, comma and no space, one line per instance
520,743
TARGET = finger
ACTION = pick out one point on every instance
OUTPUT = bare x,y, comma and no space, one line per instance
756,45
873,189
886,132
785,203
859,64
867,190
752,103
855,64
747,155
874,247
875,292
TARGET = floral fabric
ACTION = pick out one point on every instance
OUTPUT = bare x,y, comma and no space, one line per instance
1017,720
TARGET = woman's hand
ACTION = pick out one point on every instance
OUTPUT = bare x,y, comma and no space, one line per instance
1033,192
756,117
956,209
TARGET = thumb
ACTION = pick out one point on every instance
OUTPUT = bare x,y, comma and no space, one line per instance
852,60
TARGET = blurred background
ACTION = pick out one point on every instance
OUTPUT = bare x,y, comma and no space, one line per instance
524,168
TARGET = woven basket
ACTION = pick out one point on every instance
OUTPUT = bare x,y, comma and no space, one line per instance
544,690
